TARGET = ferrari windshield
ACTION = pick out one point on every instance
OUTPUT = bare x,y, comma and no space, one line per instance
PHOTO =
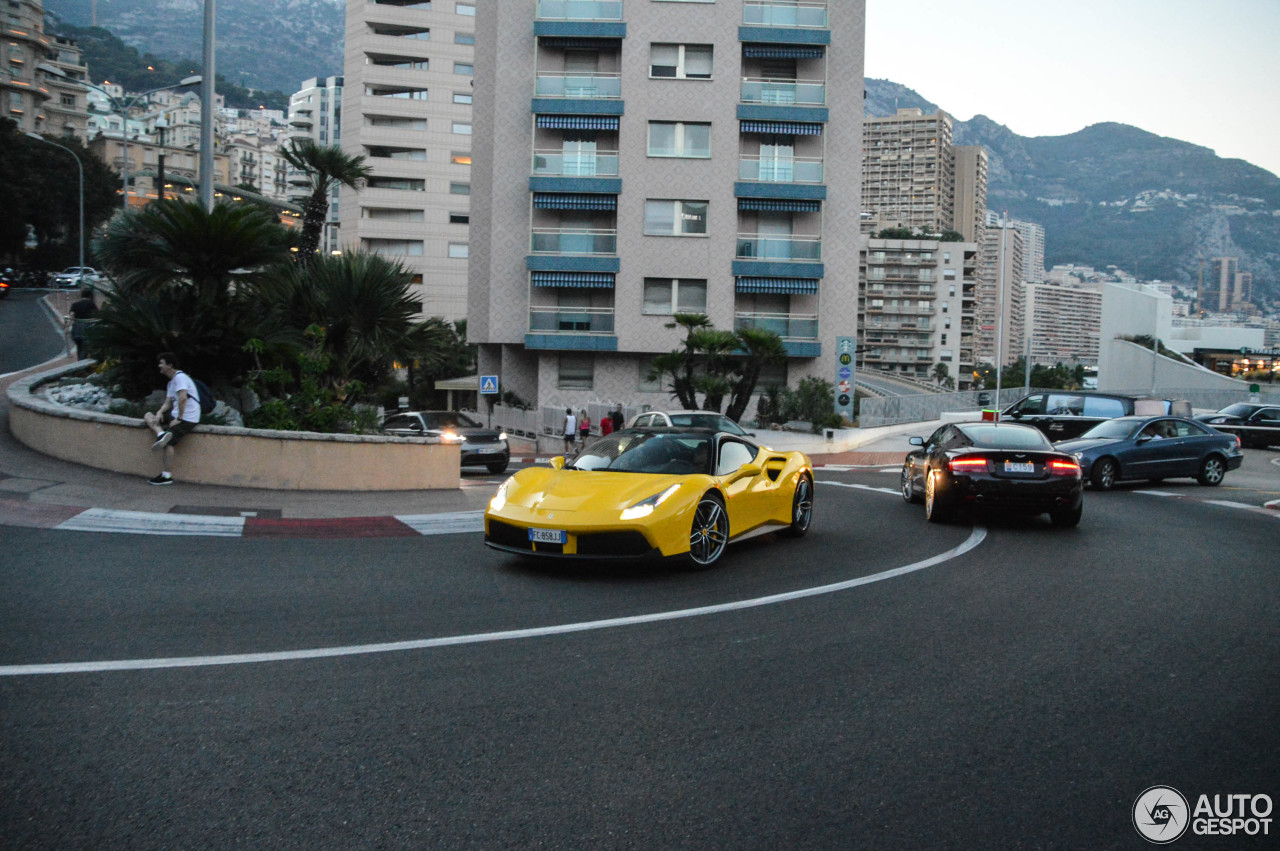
664,453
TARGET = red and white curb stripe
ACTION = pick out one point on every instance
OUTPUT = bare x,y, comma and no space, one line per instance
71,519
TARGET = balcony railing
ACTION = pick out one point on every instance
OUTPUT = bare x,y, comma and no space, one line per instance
560,164
788,326
774,170
784,14
580,10
580,86
783,92
571,320
575,241
754,247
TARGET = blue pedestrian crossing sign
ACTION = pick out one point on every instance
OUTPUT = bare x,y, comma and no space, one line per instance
488,385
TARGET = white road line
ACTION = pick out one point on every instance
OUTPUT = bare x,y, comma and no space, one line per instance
975,538
1229,504
444,524
861,487
1158,493
149,523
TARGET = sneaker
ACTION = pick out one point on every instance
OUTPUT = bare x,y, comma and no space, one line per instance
162,479
162,441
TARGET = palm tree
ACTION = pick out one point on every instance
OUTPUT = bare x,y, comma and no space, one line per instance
762,347
326,167
185,280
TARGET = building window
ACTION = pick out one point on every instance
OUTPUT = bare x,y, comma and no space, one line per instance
576,372
379,152
408,183
459,219
466,9
665,296
679,139
461,129
680,61
391,214
406,247
461,158
646,381
459,250
464,38
462,97
664,217
464,68
396,122
459,188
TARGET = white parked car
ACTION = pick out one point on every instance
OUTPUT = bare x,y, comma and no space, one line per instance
77,276
688,419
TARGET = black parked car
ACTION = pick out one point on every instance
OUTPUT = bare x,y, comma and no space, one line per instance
479,445
1256,424
1063,414
1004,466
1153,448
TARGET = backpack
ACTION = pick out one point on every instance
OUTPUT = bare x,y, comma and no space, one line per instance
207,402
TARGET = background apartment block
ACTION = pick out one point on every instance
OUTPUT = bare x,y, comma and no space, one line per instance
909,170
1032,246
406,107
1000,301
40,100
1064,321
639,159
918,306
315,113
1224,287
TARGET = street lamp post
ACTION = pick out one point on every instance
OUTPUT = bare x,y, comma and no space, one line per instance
122,106
161,126
80,168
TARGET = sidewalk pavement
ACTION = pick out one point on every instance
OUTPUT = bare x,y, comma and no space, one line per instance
42,491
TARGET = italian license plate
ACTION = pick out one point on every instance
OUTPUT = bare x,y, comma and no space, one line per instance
549,536
1019,467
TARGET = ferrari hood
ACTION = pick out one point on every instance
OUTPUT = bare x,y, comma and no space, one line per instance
577,490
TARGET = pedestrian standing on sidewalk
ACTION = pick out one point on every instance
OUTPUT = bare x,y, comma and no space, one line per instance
616,416
570,430
83,312
584,427
182,407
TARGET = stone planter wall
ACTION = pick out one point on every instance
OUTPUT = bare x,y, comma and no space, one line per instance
221,455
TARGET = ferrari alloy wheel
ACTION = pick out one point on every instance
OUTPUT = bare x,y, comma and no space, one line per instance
933,510
710,533
1212,471
801,508
908,491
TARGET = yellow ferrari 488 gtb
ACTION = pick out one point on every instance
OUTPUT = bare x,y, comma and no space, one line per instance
682,492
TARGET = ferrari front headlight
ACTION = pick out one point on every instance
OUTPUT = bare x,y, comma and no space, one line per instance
499,498
645,507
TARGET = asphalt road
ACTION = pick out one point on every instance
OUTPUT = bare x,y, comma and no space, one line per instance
1021,693
27,333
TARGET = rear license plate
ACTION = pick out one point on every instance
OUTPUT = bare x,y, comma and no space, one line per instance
549,536
1019,467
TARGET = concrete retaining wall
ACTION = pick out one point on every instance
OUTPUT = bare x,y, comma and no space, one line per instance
221,455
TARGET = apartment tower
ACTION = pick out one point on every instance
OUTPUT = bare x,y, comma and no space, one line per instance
315,113
909,170
406,108
644,158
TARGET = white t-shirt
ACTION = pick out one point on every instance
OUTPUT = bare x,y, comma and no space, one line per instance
182,381
570,425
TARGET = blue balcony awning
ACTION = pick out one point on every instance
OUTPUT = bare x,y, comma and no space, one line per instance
787,286
780,205
793,128
591,280
783,51
566,201
578,122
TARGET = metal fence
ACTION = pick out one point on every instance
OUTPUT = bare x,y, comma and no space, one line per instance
892,410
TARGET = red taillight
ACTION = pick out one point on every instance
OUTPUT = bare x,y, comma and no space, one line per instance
966,465
1061,467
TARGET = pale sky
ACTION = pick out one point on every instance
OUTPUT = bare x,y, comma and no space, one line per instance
1203,71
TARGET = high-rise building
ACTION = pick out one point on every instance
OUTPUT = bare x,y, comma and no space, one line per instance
406,108
642,159
315,113
909,170
38,80
1032,246
1000,296
1224,287
971,191
917,310
1064,321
